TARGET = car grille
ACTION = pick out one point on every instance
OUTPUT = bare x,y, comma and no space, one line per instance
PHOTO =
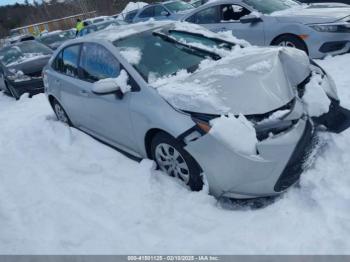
298,160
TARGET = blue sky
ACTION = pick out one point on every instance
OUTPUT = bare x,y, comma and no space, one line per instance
7,2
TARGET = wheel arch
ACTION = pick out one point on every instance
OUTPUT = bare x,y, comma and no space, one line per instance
149,137
274,40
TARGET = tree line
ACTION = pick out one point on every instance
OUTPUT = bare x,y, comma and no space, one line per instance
17,15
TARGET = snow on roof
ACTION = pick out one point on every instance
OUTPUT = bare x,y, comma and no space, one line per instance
112,34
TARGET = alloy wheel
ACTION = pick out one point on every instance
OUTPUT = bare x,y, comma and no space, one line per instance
172,162
287,44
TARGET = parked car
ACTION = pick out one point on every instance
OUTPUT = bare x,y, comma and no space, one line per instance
317,30
326,1
99,26
21,67
56,38
155,90
197,3
98,19
18,38
168,10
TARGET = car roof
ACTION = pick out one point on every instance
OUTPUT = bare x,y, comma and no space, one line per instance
113,34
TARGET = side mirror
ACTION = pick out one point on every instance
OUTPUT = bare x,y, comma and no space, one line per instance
250,19
164,13
105,86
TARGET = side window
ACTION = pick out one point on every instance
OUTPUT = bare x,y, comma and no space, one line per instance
158,10
130,16
148,12
70,59
233,12
98,63
206,16
57,62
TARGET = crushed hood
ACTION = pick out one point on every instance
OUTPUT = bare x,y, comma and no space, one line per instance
258,82
315,13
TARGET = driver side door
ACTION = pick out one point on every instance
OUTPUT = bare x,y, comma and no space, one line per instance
108,114
230,19
226,17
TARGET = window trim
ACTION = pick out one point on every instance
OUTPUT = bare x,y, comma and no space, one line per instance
135,87
234,21
60,70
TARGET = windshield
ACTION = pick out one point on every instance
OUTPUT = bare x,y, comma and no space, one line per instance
53,38
270,6
170,57
178,6
20,52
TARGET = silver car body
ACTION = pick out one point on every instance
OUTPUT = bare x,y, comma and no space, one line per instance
296,21
165,14
130,122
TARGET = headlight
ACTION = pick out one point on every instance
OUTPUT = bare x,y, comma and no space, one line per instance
18,76
331,28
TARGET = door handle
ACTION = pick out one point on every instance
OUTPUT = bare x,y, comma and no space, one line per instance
84,93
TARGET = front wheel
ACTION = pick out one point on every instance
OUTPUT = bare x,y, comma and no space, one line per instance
174,160
291,41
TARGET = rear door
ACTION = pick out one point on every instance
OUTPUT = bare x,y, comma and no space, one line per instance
72,91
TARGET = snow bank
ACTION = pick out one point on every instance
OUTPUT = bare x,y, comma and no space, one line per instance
315,98
236,132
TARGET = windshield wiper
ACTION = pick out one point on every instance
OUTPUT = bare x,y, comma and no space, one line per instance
192,48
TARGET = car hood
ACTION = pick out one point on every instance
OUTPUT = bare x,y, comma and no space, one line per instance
316,13
31,66
258,82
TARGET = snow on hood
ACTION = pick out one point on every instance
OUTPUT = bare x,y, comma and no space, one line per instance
249,81
313,13
28,57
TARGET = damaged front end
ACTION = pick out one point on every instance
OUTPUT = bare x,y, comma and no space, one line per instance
286,142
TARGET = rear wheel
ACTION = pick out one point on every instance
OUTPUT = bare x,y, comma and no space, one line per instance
60,113
291,41
174,160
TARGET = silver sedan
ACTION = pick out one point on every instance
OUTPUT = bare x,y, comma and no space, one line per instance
173,93
317,29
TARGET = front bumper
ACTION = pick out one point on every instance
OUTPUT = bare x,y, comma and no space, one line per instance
33,86
277,167
321,44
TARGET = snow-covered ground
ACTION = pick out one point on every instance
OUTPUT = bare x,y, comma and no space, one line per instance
62,192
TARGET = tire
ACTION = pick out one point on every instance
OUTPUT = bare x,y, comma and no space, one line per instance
60,113
12,92
174,160
291,41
